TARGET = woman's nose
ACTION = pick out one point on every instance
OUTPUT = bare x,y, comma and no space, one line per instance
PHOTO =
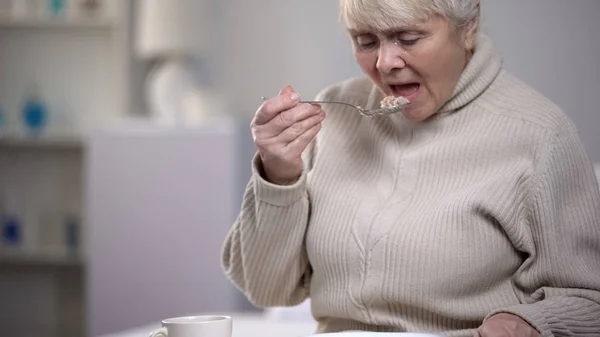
389,59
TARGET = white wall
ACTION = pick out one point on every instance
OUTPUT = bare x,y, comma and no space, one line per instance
272,43
552,44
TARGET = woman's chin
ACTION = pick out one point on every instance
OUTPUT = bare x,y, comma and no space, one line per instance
415,114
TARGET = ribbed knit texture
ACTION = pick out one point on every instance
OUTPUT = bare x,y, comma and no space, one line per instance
490,206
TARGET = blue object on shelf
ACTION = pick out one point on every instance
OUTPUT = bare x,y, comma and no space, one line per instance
2,119
72,233
35,115
11,230
57,6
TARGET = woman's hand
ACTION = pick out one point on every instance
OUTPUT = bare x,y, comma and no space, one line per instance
506,325
282,129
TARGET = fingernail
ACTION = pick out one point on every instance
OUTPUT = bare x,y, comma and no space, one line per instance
295,97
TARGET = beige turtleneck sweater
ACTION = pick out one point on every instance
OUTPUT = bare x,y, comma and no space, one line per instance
490,206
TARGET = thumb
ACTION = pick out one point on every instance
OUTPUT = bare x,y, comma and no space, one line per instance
286,90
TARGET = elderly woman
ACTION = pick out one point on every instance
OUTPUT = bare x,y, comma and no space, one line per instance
473,211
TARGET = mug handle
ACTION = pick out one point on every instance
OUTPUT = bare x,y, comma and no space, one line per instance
162,332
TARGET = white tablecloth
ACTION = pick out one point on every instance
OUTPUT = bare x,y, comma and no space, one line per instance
244,325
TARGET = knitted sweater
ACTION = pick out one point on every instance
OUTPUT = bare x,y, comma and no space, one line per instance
490,206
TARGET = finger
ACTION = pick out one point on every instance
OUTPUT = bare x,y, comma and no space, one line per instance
286,90
286,119
272,107
299,144
297,129
263,118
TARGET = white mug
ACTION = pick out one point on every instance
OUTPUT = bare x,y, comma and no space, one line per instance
195,326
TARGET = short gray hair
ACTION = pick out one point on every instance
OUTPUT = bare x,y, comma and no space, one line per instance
388,14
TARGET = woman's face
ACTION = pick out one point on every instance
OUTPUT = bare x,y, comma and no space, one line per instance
421,62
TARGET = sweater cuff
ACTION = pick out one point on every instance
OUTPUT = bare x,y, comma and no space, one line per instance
542,317
278,195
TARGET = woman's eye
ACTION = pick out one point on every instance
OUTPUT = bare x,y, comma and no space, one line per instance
407,41
367,45
365,42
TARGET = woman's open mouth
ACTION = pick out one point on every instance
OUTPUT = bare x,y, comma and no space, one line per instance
409,90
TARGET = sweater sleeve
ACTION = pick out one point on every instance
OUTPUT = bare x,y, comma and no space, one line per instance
561,275
264,254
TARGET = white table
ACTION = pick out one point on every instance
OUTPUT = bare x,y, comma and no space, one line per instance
244,325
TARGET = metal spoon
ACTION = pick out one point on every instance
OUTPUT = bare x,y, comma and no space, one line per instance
362,111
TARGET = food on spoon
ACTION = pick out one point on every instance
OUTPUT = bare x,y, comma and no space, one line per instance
392,101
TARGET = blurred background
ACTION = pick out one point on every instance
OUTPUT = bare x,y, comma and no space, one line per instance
125,149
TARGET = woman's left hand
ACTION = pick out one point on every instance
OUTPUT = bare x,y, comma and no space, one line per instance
506,325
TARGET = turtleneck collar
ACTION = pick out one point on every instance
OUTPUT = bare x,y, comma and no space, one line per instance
480,72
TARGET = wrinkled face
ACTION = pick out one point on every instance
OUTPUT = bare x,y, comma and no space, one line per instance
421,61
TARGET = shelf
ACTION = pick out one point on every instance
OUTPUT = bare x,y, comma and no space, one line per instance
57,259
20,329
57,142
65,23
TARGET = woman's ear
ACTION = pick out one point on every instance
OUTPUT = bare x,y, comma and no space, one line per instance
470,34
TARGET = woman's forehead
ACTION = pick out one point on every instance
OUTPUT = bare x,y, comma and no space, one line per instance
385,28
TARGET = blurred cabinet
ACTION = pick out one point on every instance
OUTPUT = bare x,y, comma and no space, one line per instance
160,203
80,66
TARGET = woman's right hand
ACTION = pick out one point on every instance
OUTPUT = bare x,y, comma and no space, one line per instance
282,129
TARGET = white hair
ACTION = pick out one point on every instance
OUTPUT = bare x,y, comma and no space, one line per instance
389,14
